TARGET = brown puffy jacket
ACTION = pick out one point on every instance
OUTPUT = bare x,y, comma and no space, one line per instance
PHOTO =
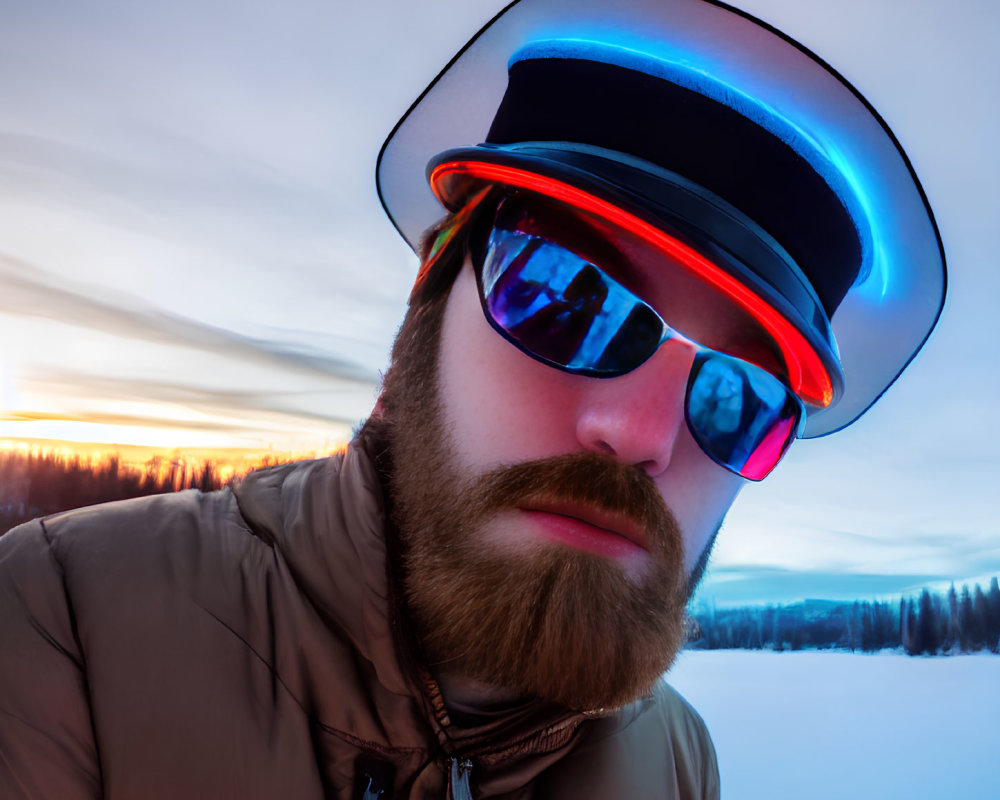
242,644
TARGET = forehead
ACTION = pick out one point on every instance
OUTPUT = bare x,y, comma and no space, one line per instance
685,301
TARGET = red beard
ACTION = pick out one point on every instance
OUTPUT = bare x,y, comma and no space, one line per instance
549,621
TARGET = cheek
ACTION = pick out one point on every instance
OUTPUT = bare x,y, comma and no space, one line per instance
499,405
699,493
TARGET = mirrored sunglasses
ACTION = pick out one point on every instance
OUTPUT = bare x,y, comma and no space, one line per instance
563,310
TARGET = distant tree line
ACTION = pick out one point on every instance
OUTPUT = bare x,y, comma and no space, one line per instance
958,622
36,484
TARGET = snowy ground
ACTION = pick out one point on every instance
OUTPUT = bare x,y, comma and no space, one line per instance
819,726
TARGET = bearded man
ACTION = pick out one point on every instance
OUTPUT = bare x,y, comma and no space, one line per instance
624,315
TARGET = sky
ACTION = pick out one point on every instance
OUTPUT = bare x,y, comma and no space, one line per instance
192,254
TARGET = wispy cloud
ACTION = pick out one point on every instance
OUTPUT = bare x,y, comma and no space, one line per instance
26,290
194,397
750,585
180,185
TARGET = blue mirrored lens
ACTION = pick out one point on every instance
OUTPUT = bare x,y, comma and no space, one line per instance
740,414
564,310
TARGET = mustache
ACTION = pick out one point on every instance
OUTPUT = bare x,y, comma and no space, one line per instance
591,479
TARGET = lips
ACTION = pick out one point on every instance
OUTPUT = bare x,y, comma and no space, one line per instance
589,528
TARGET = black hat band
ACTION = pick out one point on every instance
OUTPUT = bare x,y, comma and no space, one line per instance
626,110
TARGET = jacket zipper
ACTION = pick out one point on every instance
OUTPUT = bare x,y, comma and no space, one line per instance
461,772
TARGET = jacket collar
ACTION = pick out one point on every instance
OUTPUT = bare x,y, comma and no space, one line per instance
327,519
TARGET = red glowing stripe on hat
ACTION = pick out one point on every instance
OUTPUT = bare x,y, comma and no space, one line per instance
807,376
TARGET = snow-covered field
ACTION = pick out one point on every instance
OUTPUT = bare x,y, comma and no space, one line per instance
819,726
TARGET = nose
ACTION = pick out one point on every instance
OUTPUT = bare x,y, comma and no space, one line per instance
638,417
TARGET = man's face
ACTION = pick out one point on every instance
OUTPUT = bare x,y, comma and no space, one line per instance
552,521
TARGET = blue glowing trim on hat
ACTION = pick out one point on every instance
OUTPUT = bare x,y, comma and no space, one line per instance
680,67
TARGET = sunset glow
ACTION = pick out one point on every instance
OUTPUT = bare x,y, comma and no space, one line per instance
227,462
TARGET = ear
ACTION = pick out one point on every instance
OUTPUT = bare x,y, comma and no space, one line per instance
378,411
